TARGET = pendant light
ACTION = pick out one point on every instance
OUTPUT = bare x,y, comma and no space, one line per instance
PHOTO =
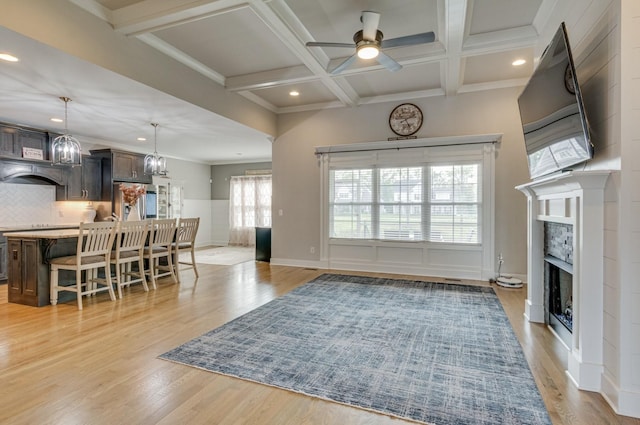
65,149
154,164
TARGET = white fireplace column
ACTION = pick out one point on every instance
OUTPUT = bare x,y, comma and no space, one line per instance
575,198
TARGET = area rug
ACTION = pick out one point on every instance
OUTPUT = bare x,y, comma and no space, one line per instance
223,255
435,353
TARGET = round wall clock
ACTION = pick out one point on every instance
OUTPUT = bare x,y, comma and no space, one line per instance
405,119
568,80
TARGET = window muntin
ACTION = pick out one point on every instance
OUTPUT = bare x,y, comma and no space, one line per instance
438,203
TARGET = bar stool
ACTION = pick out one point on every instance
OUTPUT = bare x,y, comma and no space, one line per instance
186,242
161,236
130,239
95,241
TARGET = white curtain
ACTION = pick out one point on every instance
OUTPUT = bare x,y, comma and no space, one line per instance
249,207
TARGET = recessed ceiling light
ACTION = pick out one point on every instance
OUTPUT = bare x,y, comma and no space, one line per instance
294,93
7,57
518,62
142,139
56,120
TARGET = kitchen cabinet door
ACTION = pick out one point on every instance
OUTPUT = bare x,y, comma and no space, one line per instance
32,140
129,167
83,183
8,140
3,258
23,271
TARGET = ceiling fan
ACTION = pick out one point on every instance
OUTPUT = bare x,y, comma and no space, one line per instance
368,43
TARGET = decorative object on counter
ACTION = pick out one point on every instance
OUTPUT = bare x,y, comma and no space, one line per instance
65,149
154,164
132,193
134,213
89,213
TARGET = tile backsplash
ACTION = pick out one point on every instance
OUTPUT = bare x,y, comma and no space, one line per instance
36,204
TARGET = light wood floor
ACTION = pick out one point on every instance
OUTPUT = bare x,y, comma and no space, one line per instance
59,365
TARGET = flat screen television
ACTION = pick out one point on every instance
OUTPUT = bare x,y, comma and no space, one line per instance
555,126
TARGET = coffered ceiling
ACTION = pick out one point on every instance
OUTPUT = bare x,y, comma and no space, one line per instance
256,48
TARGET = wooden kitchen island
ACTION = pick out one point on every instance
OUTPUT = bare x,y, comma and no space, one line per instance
29,253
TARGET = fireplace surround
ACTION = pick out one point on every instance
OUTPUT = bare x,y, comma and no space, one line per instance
573,198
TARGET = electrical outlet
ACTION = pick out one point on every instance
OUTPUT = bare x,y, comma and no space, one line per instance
312,250
280,213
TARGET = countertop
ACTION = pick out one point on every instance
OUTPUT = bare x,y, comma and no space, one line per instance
27,227
45,234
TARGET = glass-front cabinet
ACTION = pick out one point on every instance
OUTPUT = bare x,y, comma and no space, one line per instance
169,198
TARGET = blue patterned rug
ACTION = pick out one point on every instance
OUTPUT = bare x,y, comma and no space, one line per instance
434,353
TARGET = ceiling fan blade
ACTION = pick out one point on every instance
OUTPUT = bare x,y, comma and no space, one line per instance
344,65
323,44
370,21
409,40
388,62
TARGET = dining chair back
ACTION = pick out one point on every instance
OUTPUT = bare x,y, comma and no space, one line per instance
95,241
131,237
186,242
161,235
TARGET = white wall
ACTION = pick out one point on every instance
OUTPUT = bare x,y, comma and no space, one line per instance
296,173
623,281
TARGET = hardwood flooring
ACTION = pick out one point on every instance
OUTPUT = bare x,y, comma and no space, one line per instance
98,366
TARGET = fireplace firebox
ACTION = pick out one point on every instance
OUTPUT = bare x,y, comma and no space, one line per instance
559,290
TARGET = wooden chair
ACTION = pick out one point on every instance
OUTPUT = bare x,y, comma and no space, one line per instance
186,242
95,241
131,237
161,236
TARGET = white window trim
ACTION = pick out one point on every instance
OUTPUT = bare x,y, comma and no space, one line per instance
480,148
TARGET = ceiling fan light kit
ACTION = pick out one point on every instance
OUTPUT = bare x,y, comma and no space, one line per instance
369,43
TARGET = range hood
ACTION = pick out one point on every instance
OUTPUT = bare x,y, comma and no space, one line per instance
31,172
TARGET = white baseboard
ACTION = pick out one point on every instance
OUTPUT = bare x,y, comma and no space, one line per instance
626,403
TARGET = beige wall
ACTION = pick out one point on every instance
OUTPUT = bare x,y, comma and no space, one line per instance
296,178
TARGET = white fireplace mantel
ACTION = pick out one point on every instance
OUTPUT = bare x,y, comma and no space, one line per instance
576,198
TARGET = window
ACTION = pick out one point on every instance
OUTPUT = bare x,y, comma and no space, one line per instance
249,207
438,203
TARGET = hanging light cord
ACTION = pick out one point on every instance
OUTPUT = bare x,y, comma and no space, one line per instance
66,100
155,138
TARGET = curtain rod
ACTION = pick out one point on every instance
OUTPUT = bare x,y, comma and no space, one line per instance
410,144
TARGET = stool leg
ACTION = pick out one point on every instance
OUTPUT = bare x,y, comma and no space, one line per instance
53,291
79,288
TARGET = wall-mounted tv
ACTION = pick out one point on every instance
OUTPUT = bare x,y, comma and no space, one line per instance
556,131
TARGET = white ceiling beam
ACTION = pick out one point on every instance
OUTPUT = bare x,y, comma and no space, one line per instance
286,26
181,57
95,9
493,85
271,78
153,15
500,41
455,17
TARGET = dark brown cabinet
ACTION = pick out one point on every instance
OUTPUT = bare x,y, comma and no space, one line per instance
120,166
3,258
11,169
24,258
84,183
13,140
28,268
128,167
